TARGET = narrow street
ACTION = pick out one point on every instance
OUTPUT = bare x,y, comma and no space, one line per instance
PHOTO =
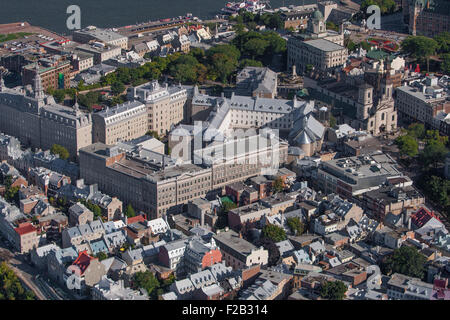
27,274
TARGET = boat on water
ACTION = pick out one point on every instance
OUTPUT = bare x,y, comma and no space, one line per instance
253,6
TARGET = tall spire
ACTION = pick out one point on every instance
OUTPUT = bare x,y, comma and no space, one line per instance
37,84
76,106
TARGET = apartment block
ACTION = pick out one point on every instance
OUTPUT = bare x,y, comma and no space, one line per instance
239,253
165,104
123,122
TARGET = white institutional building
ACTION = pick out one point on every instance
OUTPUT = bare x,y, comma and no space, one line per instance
37,121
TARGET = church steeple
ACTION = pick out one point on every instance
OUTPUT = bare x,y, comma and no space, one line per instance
196,92
38,89
76,106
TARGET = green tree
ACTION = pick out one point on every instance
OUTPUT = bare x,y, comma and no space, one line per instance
386,6
61,151
10,286
102,256
296,225
58,94
433,153
417,130
223,66
408,145
333,290
419,47
256,47
167,282
226,49
129,211
405,260
146,280
12,194
365,45
273,232
332,121
278,185
443,41
153,134
227,206
275,22
249,63
445,65
438,190
117,88
184,73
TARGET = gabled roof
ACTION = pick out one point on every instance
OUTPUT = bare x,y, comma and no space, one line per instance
83,261
422,216
25,229
139,218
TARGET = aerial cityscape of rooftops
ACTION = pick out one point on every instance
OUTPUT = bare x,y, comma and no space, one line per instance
291,153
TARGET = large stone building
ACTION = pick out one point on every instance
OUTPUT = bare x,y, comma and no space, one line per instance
320,48
158,184
123,122
239,159
165,105
352,176
256,82
151,185
54,73
100,51
37,121
92,33
358,104
296,19
239,253
423,101
426,17
241,112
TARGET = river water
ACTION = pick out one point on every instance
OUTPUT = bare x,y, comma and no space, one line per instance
51,14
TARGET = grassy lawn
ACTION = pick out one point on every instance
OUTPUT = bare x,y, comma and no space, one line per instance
13,36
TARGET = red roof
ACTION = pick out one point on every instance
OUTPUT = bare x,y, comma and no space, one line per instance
25,228
135,219
83,261
422,216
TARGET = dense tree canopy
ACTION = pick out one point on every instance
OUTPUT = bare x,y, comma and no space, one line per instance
333,290
273,232
10,286
61,151
296,225
419,47
405,260
386,6
417,130
278,185
433,153
443,42
146,280
408,145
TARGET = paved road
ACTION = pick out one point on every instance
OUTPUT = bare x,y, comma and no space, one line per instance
25,272
22,271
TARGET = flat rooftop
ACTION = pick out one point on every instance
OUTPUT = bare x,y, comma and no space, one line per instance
232,240
324,45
